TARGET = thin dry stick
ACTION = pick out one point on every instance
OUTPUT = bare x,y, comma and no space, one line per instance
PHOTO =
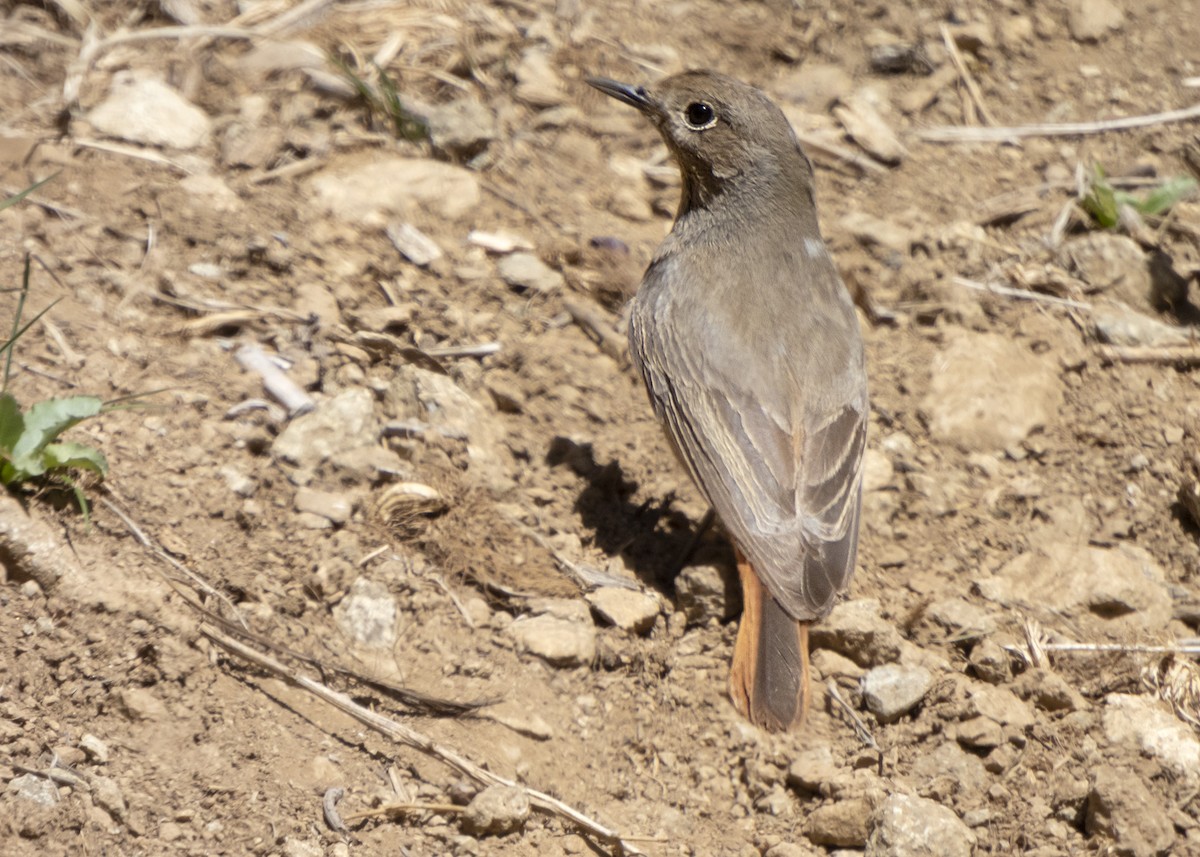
957,134
483,349
1019,294
131,152
1185,355
389,808
973,89
1179,649
410,737
592,320
860,728
275,380
153,547
840,153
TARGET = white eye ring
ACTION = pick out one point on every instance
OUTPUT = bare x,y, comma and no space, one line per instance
699,116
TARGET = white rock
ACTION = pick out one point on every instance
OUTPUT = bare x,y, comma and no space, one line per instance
861,114
394,187
34,789
335,507
1091,20
628,609
495,811
905,826
143,109
538,84
1122,585
1148,726
347,421
989,392
527,271
563,636
413,244
892,690
368,614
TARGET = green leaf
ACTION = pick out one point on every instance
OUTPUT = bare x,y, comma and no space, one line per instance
12,423
15,198
46,420
1101,201
79,456
1164,197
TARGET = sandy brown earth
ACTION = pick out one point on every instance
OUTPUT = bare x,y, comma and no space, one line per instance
481,454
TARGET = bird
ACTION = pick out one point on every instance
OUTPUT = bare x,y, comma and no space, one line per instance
750,349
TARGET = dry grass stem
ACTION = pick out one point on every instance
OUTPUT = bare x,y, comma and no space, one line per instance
973,90
958,134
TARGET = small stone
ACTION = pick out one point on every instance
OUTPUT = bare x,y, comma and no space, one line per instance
840,824
990,662
336,507
495,811
527,271
892,690
950,772
95,749
981,733
1049,691
1148,727
142,109
413,244
907,826
812,769
1117,324
345,422
1121,808
789,849
1092,20
460,129
857,630
708,591
169,831
1113,265
1001,705
368,614
142,706
567,639
538,84
34,789
832,665
961,620
628,609
871,231
862,117
107,795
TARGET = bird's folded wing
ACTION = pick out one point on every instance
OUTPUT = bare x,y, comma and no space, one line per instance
788,492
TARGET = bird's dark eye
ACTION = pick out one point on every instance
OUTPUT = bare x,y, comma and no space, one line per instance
699,116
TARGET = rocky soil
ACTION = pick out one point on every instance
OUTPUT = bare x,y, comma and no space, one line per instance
460,491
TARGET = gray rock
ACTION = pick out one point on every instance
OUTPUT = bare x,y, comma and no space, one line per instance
1001,705
989,392
1121,808
990,662
335,507
960,619
892,690
34,789
861,114
812,769
1119,325
980,733
96,749
538,84
843,823
1122,586
708,591
1092,20
906,826
1113,265
413,244
1049,691
815,86
1147,726
345,422
143,109
628,609
527,271
562,635
495,811
384,189
368,614
460,129
857,630
107,795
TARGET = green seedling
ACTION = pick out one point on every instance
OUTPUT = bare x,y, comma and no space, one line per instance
382,100
1104,202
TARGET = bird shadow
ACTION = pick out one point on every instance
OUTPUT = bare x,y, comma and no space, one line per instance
651,537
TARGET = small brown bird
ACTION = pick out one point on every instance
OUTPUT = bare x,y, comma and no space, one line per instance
750,349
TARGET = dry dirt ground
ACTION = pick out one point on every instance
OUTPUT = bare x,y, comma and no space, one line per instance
434,522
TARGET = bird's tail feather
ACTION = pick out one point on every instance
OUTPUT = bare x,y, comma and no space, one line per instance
769,679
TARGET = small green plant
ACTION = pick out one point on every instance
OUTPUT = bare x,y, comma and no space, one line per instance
1104,202
30,448
383,100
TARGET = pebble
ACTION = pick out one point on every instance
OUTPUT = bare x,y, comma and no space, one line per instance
413,244
107,795
981,733
95,749
538,84
563,635
1121,808
460,129
857,630
142,109
990,662
1119,325
961,620
907,826
788,849
1049,691
840,824
862,117
141,705
345,422
34,789
334,507
1092,20
495,811
1113,265
368,614
949,772
1097,586
1147,726
384,189
812,769
988,392
815,86
708,591
892,690
628,609
527,271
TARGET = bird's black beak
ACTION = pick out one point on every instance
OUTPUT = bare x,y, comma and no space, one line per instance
633,95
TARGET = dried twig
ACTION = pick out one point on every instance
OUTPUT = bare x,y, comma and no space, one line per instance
957,134
131,152
1020,294
483,349
275,380
1181,355
592,320
410,737
860,728
972,87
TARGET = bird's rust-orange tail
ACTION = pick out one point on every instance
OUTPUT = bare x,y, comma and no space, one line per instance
769,677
